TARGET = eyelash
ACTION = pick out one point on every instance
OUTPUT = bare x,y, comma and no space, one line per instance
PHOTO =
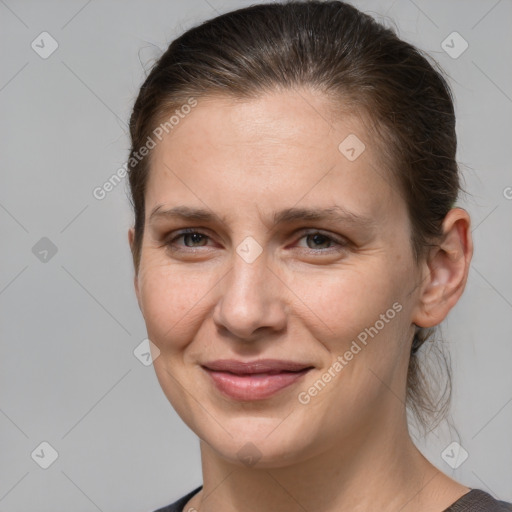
190,231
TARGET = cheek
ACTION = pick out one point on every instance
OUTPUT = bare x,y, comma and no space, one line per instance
334,305
348,305
341,303
172,301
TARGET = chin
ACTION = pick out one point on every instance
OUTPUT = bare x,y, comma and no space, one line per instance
265,444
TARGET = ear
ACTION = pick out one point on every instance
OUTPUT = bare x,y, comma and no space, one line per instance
445,271
131,237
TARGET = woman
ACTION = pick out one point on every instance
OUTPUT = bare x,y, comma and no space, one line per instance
293,178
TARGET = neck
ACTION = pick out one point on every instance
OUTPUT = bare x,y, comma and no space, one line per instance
379,467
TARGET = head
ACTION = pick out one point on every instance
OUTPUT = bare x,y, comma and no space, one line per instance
258,117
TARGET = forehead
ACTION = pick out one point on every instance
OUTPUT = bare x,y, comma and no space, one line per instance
282,147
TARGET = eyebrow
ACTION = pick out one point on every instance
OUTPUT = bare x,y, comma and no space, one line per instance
288,215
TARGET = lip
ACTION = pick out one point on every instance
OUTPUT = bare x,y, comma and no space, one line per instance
256,380
258,366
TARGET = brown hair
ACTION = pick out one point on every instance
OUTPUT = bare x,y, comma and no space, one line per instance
333,48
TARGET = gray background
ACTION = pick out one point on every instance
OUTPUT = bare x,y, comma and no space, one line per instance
69,325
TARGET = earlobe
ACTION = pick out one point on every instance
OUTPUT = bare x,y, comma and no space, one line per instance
131,235
446,271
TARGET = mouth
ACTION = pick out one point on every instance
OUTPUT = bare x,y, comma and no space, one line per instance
255,380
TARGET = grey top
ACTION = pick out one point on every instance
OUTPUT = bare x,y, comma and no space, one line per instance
475,500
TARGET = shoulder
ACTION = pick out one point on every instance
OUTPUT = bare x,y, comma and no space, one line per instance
477,500
178,505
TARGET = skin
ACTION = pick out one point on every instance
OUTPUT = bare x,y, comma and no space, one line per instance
303,299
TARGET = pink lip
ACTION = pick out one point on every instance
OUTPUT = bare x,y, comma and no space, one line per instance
256,380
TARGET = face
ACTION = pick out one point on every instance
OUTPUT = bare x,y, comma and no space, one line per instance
256,278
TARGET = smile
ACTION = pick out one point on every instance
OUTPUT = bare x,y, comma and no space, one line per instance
254,386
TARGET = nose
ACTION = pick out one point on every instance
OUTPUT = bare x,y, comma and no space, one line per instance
252,300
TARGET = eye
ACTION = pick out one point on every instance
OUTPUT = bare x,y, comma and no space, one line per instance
316,241
191,237
320,242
